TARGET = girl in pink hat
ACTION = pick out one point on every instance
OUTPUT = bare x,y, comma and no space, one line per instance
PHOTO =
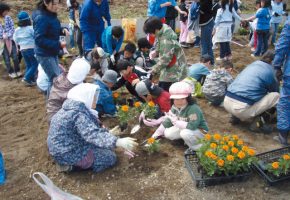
185,119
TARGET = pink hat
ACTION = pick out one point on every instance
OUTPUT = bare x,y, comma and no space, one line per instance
180,90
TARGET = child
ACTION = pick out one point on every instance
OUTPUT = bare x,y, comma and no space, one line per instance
222,28
142,55
183,24
170,16
216,83
128,53
185,121
9,48
24,36
130,76
200,70
105,103
276,19
263,27
98,55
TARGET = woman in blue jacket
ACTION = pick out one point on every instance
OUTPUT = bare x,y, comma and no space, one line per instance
47,30
92,23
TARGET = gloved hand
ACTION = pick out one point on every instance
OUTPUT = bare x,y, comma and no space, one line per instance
159,131
153,122
112,57
127,143
180,124
141,117
173,118
152,54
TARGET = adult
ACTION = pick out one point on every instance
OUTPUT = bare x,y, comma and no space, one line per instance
47,30
171,64
206,24
76,139
252,93
282,57
91,22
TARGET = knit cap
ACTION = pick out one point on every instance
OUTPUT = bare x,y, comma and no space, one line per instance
22,15
141,88
145,87
110,76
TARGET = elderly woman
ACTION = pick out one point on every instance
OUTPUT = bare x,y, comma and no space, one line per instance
77,140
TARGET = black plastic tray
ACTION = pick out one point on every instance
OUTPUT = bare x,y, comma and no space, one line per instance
192,164
267,157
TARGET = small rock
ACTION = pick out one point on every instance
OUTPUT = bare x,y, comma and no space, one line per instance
113,175
266,189
107,178
242,190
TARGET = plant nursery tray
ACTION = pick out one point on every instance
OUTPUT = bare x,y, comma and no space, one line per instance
203,180
268,157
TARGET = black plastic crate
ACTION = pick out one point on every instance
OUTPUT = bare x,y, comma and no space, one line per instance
268,157
202,180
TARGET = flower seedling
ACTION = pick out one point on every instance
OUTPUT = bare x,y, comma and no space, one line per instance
152,145
281,166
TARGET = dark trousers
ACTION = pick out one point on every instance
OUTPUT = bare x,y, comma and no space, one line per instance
14,56
225,49
171,23
262,45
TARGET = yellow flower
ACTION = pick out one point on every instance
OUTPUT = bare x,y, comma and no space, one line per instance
220,163
116,95
208,153
225,147
213,145
137,104
230,158
151,140
235,150
251,152
207,136
226,138
235,137
151,104
217,136
231,143
125,108
241,155
240,142
245,148
213,156
222,142
286,157
275,165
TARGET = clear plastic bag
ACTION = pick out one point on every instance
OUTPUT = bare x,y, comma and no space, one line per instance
53,191
129,26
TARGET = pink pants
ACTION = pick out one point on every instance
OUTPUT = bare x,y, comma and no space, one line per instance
183,31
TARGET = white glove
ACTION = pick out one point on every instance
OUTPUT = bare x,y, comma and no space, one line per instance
127,143
159,132
152,54
112,57
173,118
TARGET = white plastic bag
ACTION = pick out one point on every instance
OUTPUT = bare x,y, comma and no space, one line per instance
54,192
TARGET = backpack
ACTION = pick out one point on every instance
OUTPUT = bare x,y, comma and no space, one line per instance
194,10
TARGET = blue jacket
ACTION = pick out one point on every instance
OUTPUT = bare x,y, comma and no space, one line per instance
91,18
74,130
24,36
264,16
197,70
253,83
105,102
47,30
154,9
108,43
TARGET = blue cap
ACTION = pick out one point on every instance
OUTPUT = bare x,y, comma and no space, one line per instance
22,15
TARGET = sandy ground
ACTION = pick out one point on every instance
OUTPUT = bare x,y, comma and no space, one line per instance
23,136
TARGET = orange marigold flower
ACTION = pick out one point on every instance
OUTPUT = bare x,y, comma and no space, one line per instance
208,153
151,104
251,152
235,137
151,140
213,145
235,150
220,162
241,155
217,136
225,147
275,165
240,142
213,156
245,148
207,136
230,158
222,142
116,95
125,108
226,138
286,157
137,104
231,143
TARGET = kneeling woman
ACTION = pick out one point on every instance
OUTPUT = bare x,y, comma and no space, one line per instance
77,139
185,120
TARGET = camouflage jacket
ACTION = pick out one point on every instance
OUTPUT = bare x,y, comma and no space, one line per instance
216,83
169,50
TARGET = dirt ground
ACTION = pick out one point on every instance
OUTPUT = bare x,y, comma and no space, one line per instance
23,136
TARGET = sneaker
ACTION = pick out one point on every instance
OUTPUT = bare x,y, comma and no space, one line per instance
19,74
234,120
12,75
64,168
219,59
27,83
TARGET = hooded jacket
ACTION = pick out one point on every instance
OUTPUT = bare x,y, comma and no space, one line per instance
171,65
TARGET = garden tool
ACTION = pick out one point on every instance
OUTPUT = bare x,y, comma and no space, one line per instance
241,45
137,127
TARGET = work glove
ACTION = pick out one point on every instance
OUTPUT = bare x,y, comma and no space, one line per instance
153,122
127,143
180,124
159,132
112,57
173,118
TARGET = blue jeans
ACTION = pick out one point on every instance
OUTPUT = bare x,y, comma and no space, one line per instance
206,40
225,49
274,27
262,44
50,67
14,57
31,64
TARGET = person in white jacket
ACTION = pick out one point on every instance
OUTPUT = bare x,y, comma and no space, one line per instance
276,19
